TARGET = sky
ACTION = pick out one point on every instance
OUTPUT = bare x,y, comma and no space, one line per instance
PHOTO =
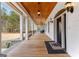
7,8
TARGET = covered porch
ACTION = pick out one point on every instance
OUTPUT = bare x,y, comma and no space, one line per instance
34,47
39,25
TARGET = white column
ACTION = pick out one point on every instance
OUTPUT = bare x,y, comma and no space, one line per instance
32,26
1,55
21,27
0,28
26,28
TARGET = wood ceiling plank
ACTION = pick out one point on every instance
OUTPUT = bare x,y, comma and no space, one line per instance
44,7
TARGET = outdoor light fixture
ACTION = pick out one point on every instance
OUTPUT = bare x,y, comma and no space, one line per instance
69,7
38,12
51,20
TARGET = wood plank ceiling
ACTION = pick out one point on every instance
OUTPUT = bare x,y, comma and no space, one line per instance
44,8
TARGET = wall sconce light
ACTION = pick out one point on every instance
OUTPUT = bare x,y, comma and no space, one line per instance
69,7
51,20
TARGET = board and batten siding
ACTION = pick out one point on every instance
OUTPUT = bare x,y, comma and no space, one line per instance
73,31
72,28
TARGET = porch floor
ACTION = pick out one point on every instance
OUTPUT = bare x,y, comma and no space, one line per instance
34,47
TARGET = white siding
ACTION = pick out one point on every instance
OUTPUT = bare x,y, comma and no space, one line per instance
73,31
72,28
58,7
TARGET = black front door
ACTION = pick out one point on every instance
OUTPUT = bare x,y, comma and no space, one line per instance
59,31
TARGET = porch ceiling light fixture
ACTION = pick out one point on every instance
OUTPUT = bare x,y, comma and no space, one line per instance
69,6
38,12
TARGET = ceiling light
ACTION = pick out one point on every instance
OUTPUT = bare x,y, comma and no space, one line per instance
38,12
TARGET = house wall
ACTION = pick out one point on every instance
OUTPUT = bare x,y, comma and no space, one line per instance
35,27
72,28
58,7
73,31
50,32
46,28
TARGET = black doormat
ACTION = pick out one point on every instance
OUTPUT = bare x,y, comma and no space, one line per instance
53,51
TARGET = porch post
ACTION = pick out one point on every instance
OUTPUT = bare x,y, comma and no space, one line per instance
26,28
21,27
1,55
32,26
0,28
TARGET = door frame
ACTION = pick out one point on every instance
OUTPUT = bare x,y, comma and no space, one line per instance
63,16
59,37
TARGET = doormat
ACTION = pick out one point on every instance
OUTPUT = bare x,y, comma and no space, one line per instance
54,48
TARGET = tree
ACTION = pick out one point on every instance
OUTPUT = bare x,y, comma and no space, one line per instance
14,22
12,19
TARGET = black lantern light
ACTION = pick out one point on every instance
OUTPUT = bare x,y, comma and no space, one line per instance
69,6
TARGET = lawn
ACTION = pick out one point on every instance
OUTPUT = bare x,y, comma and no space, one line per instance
9,39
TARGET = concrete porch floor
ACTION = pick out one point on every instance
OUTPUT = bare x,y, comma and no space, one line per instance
34,47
